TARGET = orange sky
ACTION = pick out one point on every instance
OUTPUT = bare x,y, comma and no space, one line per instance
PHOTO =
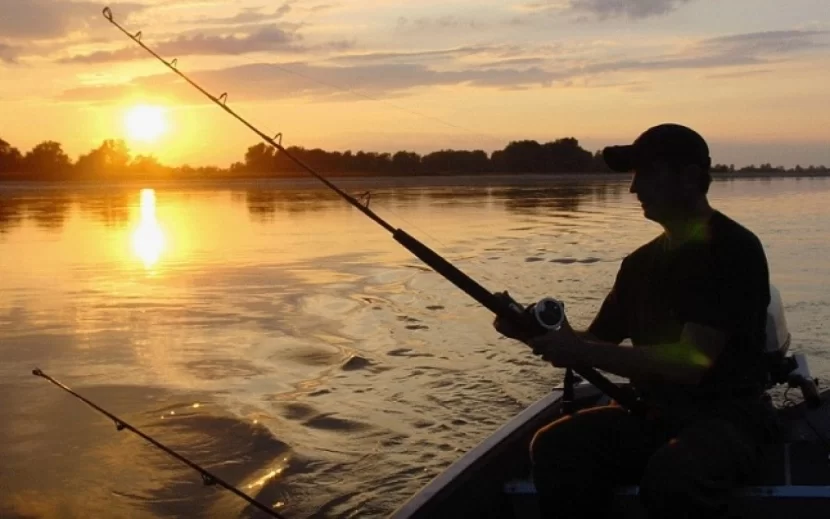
750,75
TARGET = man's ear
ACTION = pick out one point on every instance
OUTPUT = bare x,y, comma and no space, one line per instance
692,178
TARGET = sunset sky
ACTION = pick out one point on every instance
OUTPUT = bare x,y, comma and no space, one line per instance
753,76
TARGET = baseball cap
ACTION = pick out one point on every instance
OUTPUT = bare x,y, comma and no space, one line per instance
669,141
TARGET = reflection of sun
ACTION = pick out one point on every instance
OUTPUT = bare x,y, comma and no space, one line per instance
145,123
148,238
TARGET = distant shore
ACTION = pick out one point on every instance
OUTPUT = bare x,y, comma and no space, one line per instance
559,160
482,179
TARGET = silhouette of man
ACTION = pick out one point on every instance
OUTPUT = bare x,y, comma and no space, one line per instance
693,302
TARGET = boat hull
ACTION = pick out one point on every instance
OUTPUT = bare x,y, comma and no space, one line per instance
492,480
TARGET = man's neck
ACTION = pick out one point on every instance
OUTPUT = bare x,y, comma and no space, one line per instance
691,227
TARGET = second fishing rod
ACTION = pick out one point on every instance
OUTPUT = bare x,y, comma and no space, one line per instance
536,319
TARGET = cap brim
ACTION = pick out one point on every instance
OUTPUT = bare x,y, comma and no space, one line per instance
619,158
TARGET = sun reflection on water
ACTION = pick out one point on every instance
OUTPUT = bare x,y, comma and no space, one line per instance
273,473
148,238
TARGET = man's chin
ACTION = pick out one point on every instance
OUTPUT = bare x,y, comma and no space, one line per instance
651,212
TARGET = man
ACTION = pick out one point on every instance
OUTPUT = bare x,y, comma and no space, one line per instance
693,302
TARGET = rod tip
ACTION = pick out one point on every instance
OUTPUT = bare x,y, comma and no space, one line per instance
107,13
37,372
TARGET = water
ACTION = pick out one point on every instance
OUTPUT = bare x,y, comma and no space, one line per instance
280,338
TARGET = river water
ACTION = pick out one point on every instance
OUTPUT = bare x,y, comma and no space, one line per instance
278,337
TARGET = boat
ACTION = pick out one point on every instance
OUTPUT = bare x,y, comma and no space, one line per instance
493,480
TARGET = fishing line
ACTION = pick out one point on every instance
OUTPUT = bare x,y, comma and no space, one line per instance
207,478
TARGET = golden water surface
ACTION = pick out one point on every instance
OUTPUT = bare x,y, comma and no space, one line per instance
278,337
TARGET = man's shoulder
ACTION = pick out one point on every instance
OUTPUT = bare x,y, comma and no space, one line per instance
644,252
734,235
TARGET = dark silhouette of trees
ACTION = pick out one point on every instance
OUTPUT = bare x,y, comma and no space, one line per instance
259,159
147,166
46,160
112,160
559,156
567,156
523,157
451,161
406,162
10,158
108,161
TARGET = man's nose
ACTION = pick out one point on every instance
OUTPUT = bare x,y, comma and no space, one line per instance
632,188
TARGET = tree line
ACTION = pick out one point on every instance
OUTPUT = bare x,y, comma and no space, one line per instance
113,160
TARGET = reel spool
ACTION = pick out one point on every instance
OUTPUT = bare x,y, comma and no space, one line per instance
549,313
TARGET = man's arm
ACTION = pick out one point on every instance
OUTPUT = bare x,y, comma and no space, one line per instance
682,362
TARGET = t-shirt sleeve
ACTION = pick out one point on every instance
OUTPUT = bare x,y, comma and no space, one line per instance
610,323
739,296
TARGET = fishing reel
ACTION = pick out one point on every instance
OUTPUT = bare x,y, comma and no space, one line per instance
547,314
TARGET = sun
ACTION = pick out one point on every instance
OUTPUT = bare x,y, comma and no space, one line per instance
146,123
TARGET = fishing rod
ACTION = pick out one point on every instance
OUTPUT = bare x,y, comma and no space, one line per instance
535,319
208,478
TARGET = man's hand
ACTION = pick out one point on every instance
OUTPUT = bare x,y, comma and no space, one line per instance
563,348
507,328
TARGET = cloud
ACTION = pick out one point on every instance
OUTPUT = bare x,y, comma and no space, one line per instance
723,51
680,62
8,53
268,81
739,74
451,22
766,43
248,15
419,55
321,8
514,62
484,55
262,39
50,19
605,9
370,74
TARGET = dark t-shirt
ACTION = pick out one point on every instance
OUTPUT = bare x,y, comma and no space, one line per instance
719,279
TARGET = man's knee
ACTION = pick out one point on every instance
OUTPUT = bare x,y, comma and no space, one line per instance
549,439
564,436
566,455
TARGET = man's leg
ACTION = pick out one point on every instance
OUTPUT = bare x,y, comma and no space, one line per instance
579,458
693,475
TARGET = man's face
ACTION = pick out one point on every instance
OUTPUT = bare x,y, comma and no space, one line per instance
665,193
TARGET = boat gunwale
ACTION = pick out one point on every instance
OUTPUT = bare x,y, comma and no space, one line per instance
453,475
